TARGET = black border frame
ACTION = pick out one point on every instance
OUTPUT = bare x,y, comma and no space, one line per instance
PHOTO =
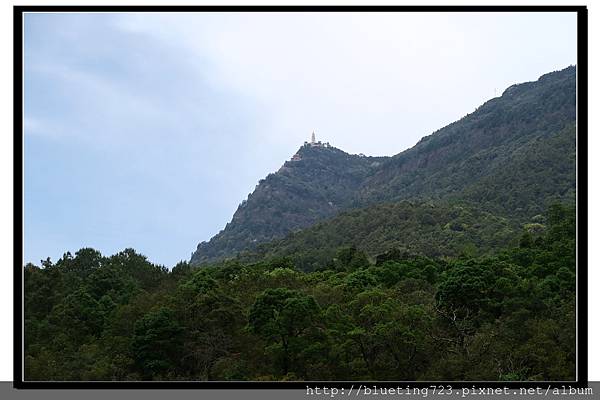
582,201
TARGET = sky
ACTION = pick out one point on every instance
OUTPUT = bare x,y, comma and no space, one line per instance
147,130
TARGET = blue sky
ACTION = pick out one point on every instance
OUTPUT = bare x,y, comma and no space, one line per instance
147,130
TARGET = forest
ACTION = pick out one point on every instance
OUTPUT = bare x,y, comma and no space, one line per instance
502,315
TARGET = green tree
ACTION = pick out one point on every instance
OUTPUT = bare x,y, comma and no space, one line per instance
283,316
157,344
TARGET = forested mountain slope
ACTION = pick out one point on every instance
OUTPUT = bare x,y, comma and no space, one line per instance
317,185
515,153
512,157
428,229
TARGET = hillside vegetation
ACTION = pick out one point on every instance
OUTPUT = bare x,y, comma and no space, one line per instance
400,317
433,230
512,157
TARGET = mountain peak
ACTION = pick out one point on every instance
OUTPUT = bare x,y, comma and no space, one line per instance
316,183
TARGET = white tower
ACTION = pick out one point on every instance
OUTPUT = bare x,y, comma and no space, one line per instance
312,138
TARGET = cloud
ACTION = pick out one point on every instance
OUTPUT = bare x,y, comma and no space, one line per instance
392,76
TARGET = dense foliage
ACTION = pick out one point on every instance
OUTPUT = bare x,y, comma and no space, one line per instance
396,316
430,229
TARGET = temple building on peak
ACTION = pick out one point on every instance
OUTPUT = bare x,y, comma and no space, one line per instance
313,142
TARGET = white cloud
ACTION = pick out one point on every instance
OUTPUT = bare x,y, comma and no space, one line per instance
392,77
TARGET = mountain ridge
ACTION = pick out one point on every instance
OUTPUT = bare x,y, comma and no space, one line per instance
512,156
315,184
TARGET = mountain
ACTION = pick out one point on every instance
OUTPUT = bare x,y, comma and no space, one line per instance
506,162
514,154
316,184
429,229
